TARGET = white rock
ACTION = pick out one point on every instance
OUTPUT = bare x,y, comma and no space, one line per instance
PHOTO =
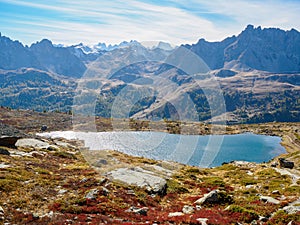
30,142
92,194
202,221
4,165
141,178
175,214
269,200
187,209
62,191
291,209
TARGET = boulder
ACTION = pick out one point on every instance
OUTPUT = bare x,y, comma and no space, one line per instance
31,142
211,197
285,163
214,197
8,141
140,178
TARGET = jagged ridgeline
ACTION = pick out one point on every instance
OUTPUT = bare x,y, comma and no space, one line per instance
258,73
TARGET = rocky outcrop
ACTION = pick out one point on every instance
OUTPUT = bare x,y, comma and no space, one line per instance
285,163
141,178
8,141
268,49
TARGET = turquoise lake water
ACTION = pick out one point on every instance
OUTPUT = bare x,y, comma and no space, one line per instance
196,150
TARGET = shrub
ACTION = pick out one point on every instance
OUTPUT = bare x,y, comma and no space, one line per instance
175,187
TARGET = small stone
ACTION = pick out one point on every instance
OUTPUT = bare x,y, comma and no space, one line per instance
274,164
62,191
83,180
203,221
130,192
105,191
4,151
141,211
1,213
102,180
249,173
188,209
176,214
44,128
263,219
100,163
53,148
198,207
275,192
37,154
92,194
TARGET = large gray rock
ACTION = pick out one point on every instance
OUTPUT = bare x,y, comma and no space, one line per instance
30,142
140,178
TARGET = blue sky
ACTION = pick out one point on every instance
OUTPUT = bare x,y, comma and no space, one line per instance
112,21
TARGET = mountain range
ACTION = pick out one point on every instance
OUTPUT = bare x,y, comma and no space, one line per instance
257,72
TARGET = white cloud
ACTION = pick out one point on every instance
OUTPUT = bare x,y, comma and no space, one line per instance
114,21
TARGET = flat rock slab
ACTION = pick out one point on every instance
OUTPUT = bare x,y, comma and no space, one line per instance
140,178
30,142
269,200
